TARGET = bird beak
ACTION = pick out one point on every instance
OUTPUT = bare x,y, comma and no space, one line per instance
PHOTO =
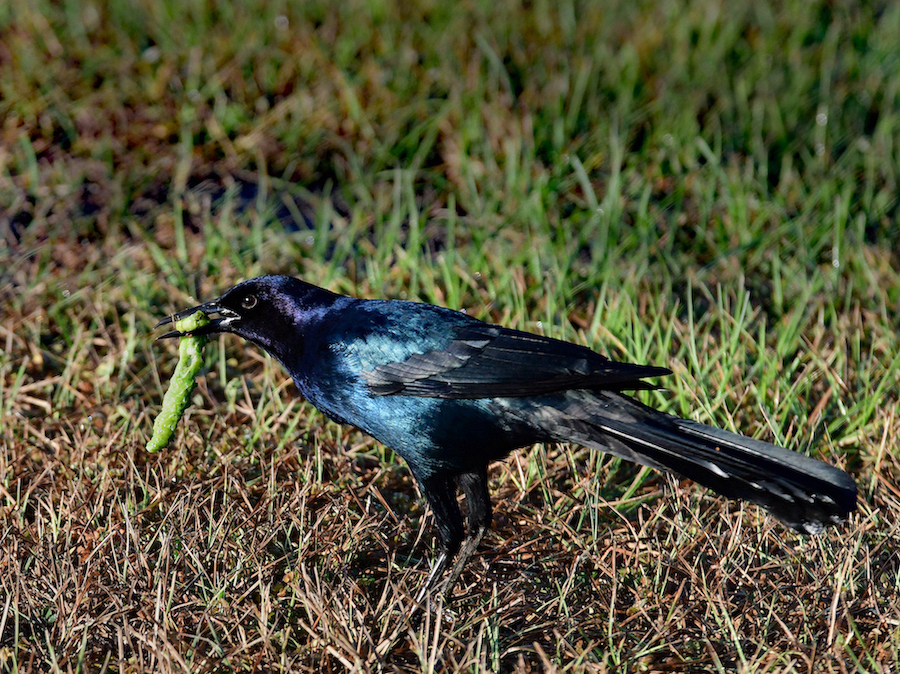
219,315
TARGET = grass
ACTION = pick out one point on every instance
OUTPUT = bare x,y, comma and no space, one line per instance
704,186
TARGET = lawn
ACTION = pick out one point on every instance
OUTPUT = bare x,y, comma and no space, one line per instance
704,186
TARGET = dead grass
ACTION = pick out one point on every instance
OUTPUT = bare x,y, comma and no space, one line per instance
266,539
713,189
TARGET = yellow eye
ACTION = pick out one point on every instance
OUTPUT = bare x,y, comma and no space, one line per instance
249,301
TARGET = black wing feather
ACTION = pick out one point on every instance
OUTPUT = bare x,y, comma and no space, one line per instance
488,361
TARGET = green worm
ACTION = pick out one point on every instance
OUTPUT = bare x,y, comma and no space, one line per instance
181,386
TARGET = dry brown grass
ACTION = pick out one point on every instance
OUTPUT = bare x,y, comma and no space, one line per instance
540,161
266,539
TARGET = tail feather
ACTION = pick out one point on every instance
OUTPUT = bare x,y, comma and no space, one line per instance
804,493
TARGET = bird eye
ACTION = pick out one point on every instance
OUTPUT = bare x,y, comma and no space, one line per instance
249,301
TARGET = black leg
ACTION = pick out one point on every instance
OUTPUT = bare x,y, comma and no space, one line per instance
478,519
478,501
440,492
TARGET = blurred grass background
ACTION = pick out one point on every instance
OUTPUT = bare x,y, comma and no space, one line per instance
698,185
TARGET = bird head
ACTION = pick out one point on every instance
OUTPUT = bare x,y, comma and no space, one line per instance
269,311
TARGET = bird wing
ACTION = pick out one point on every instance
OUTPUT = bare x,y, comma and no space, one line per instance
488,361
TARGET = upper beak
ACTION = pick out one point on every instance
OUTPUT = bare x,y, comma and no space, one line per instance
210,308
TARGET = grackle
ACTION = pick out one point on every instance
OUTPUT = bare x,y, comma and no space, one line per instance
451,394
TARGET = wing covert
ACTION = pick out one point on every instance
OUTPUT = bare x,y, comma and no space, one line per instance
487,361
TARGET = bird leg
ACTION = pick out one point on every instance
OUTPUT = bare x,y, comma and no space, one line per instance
440,492
437,570
473,538
478,516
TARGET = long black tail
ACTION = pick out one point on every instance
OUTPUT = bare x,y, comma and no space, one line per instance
804,493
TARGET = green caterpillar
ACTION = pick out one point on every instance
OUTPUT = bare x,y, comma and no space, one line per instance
181,386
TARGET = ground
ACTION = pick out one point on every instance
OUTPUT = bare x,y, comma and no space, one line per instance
700,186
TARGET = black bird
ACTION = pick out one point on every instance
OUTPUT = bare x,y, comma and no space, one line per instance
451,394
